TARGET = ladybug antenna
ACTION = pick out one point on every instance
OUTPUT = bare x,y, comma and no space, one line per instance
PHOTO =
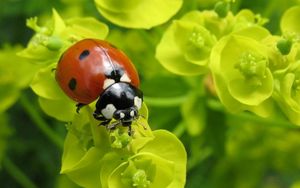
112,126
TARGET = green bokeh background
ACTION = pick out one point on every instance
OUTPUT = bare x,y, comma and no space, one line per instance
224,150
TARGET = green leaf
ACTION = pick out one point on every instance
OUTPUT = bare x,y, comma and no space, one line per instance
50,41
289,21
44,84
125,13
88,27
58,23
108,164
168,146
287,93
38,54
86,172
163,176
82,153
255,32
62,110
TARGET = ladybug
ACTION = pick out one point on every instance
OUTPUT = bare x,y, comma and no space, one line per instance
92,70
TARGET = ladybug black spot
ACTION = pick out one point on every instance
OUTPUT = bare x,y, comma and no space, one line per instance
115,74
72,84
84,54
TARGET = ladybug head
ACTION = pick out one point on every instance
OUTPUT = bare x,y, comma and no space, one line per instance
127,115
120,101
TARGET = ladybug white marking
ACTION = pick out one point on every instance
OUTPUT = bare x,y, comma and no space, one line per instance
108,82
137,102
122,115
108,111
125,78
131,113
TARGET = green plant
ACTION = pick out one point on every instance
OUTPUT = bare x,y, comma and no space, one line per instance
221,86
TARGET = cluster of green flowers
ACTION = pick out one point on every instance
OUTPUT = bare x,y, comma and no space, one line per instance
93,156
252,69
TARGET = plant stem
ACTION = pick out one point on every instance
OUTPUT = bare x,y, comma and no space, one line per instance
40,123
17,174
164,101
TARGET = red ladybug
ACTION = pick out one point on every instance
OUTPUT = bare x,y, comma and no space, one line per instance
92,70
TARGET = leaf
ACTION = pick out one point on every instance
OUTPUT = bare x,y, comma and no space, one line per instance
87,27
82,155
164,172
86,172
44,84
125,13
108,164
290,19
58,23
61,109
167,146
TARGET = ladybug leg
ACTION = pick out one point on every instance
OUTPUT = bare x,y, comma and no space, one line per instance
100,117
130,131
113,125
105,122
79,106
128,124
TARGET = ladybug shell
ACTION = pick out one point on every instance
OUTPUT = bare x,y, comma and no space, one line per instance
83,68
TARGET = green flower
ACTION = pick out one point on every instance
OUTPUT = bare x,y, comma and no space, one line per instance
240,68
138,13
287,92
246,18
186,45
156,164
51,98
46,46
289,21
149,159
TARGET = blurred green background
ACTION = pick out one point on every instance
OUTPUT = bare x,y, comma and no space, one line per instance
231,151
